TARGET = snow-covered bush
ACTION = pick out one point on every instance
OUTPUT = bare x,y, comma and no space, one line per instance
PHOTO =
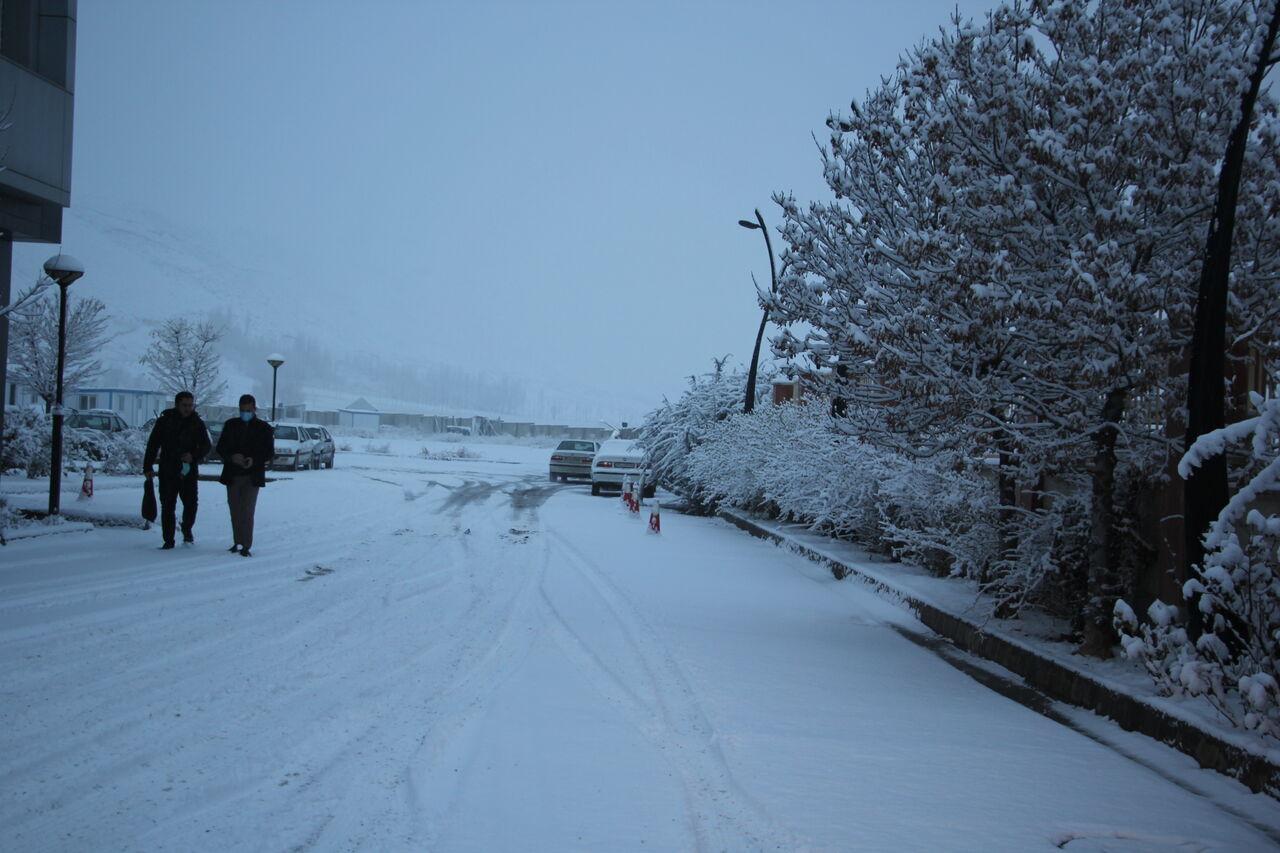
26,442
28,435
793,461
673,430
109,452
1234,663
941,513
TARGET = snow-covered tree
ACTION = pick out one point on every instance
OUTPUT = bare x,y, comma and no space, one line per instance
33,344
1009,265
183,356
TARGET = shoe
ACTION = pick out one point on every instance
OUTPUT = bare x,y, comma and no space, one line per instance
234,549
188,539
166,546
244,552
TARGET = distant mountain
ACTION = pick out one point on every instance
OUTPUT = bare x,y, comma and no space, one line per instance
146,270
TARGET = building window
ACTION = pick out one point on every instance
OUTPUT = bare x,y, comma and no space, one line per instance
19,28
88,401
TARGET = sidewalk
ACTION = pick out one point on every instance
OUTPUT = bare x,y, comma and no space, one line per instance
956,612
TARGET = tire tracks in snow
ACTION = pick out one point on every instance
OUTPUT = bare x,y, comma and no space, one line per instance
645,682
424,725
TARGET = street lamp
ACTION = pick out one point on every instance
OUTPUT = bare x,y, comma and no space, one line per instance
773,288
63,269
275,360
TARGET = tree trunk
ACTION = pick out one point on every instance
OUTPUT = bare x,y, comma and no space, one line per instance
1104,585
1205,491
1007,516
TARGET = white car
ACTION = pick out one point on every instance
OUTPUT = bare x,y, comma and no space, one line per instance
617,460
323,449
293,447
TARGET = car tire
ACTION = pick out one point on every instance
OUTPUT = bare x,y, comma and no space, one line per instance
595,489
553,477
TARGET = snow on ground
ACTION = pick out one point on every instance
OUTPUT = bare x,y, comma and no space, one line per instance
454,654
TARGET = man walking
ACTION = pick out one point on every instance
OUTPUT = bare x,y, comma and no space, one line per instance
181,441
246,444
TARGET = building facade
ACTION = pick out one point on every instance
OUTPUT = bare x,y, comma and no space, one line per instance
37,91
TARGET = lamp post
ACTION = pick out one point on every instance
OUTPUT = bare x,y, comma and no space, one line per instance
773,288
63,269
275,360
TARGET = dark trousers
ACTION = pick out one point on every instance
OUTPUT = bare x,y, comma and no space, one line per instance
173,486
242,499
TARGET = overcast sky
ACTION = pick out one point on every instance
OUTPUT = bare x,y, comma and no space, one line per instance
546,189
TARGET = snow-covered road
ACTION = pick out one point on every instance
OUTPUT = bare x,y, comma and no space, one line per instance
456,655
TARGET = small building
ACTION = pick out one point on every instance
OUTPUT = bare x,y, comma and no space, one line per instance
360,415
135,405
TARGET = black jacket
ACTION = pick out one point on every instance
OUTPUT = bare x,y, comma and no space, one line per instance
172,436
253,438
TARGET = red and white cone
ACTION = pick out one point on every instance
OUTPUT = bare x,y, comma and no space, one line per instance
655,517
86,485
629,496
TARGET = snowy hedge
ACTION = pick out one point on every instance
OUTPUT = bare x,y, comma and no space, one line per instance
28,435
673,430
795,461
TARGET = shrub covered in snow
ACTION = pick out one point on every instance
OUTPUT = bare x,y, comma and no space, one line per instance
673,430
28,435
26,442
1234,664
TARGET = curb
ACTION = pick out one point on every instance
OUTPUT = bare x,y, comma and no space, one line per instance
1052,677
36,531
97,519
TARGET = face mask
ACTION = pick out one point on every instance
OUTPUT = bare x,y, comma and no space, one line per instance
246,416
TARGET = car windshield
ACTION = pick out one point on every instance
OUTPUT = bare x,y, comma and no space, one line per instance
578,446
287,433
90,422
314,433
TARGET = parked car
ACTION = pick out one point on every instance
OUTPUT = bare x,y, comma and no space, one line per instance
572,458
105,420
322,447
617,460
293,447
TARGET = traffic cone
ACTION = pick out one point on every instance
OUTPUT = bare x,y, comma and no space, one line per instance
86,485
655,517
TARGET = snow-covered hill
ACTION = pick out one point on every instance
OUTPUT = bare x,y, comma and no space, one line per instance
339,344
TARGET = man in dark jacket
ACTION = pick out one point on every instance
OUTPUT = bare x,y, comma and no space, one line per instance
246,445
181,441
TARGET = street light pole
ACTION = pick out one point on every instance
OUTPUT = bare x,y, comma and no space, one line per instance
275,360
63,269
750,403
